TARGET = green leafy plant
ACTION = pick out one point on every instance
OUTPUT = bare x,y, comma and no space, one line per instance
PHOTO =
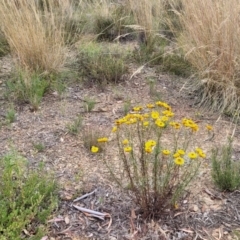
156,160
100,64
74,127
89,104
27,87
27,198
225,172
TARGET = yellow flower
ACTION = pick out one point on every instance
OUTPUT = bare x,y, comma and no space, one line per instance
146,123
150,105
154,114
200,152
94,149
114,129
180,152
195,127
176,155
120,121
101,140
168,113
209,127
192,155
166,152
150,143
160,123
125,142
137,109
176,125
159,103
164,118
179,161
127,149
148,149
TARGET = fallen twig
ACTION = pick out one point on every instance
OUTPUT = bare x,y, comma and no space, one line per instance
92,213
84,196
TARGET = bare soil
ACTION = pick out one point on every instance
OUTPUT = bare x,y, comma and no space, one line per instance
205,213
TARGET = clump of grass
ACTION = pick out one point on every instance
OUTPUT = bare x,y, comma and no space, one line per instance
225,172
11,115
100,64
27,87
27,198
35,35
40,147
156,171
89,104
74,127
209,39
4,47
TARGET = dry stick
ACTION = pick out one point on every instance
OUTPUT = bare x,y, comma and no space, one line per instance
94,213
84,196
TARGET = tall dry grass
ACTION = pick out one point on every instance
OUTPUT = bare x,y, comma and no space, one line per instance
210,39
35,32
148,15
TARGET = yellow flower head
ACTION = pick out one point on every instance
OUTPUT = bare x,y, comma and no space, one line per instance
192,155
101,140
114,129
148,149
94,149
180,152
168,113
150,143
150,105
165,152
164,118
175,125
209,127
137,109
125,142
160,103
146,115
160,123
146,123
127,149
179,161
176,155
155,114
200,152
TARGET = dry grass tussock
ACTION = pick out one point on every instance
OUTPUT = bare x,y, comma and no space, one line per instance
210,39
35,32
148,15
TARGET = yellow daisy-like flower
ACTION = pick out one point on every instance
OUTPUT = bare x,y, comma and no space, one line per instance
209,127
160,123
148,149
101,140
192,155
155,114
150,143
200,152
94,149
180,152
150,105
176,155
195,127
127,149
137,109
179,161
164,118
114,129
165,152
160,103
146,123
168,113
125,142
175,125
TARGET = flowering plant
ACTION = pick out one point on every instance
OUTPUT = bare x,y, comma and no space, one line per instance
157,159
